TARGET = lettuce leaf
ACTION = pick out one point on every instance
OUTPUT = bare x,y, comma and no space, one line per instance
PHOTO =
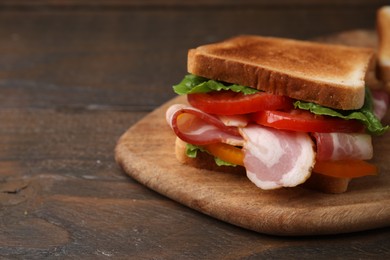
194,84
365,114
192,152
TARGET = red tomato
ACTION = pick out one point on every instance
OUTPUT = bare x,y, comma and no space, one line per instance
233,103
304,121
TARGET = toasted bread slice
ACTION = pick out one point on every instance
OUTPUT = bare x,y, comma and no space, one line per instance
383,30
329,75
204,161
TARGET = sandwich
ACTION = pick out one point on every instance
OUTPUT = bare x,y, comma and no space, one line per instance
285,112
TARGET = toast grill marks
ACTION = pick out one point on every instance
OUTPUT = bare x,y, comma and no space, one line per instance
328,75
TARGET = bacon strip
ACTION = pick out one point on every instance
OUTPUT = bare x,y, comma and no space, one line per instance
272,158
275,158
381,102
197,127
343,146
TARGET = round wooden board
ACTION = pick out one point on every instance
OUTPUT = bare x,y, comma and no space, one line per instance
146,153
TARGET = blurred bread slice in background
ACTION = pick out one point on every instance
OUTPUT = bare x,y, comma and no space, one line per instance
383,30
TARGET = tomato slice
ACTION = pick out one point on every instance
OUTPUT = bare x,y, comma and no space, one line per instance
345,169
232,103
304,121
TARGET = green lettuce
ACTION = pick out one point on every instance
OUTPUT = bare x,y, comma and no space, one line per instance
365,114
192,152
194,84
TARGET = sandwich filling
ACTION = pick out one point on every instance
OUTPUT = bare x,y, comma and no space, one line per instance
278,140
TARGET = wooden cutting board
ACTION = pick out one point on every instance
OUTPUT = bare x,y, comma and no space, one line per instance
146,153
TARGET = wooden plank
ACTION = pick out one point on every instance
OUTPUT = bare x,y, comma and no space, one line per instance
178,3
116,59
63,140
67,217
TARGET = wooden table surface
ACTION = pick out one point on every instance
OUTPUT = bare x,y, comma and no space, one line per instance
75,75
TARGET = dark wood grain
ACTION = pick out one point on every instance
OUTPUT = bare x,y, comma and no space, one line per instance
75,75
